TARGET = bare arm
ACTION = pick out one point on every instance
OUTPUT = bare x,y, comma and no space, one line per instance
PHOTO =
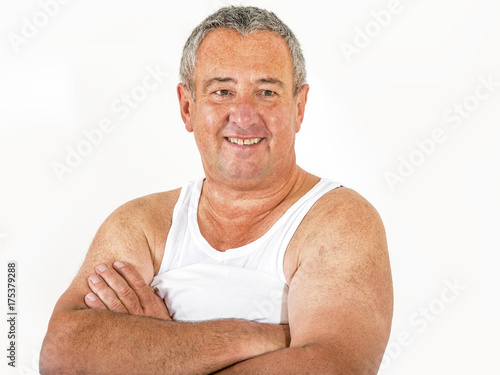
99,341
340,298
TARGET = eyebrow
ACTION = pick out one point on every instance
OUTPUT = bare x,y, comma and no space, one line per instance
211,81
272,81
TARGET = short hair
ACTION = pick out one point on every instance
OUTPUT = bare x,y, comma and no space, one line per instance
246,21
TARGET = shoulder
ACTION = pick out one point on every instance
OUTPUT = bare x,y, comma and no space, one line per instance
149,216
143,212
345,208
149,207
342,226
343,214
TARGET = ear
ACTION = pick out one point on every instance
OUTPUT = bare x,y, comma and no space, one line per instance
300,103
185,103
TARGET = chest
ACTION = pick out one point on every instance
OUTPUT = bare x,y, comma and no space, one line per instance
206,291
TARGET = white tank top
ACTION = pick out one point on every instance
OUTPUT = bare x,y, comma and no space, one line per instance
198,282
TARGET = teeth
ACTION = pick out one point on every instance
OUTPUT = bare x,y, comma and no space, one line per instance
245,142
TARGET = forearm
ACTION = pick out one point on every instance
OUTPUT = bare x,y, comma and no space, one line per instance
311,359
285,361
103,342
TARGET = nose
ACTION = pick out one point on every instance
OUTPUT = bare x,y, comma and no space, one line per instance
244,113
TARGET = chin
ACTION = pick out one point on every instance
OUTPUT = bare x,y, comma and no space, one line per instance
245,173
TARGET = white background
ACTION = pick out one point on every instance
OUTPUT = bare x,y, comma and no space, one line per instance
363,116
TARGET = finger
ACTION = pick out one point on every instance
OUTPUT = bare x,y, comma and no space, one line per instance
123,291
106,294
161,308
149,300
92,301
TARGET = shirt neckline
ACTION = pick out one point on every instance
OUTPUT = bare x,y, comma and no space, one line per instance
247,248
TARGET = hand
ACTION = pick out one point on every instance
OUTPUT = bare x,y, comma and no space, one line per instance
122,289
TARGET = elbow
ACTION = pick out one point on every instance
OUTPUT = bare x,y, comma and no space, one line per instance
47,364
58,353
50,356
334,359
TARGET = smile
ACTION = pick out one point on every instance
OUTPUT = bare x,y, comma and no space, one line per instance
244,142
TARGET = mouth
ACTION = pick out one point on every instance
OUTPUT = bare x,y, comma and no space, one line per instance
244,142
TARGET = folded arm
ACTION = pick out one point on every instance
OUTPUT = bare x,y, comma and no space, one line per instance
144,339
104,342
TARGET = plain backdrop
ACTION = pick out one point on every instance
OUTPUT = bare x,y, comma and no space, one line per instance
376,101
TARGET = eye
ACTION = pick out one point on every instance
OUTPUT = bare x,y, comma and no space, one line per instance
268,93
222,92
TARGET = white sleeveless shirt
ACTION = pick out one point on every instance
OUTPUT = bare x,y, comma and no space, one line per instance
198,282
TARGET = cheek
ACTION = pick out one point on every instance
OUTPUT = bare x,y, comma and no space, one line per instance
207,125
281,121
209,120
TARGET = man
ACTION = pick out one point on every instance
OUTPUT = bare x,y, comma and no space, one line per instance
256,225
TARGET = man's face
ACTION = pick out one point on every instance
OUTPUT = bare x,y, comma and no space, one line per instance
245,116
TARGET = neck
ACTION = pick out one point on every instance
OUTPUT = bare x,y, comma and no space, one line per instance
230,215
236,199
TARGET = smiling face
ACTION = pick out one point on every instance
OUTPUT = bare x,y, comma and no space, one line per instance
245,117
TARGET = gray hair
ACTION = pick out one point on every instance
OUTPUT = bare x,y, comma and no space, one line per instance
245,20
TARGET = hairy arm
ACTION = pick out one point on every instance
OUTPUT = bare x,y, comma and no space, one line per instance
340,297
80,340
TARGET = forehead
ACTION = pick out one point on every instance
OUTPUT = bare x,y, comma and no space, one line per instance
224,52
